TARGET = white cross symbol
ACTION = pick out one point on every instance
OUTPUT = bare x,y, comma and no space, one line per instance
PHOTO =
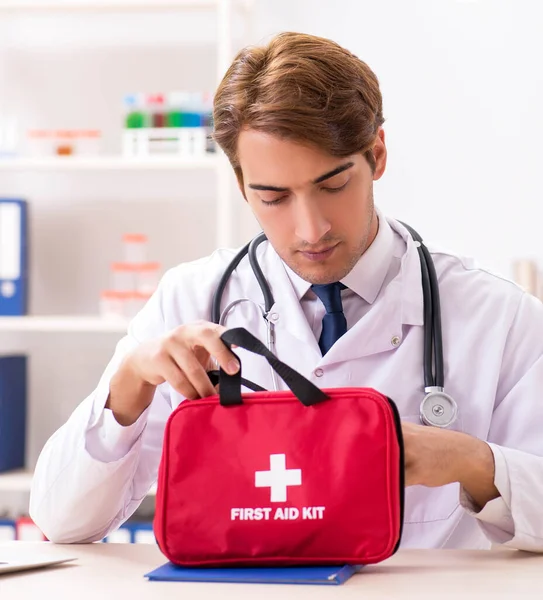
278,478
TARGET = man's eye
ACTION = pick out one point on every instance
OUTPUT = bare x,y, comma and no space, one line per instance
272,202
334,190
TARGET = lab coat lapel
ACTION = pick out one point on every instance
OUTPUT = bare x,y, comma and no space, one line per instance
399,304
379,330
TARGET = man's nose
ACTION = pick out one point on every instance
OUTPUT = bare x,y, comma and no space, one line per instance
311,224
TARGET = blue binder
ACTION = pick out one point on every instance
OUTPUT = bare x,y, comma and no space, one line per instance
13,257
12,412
8,533
291,575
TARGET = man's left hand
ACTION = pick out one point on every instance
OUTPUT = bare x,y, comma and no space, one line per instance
436,457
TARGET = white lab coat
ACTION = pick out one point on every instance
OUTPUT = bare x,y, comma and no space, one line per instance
93,474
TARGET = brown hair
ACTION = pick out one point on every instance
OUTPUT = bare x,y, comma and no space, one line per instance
299,87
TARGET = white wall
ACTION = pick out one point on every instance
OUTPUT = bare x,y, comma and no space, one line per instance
462,88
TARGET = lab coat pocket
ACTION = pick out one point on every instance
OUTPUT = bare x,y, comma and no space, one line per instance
424,504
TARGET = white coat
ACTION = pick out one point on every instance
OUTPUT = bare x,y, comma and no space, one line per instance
93,474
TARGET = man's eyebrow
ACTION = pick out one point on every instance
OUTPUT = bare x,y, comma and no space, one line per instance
267,188
320,179
335,171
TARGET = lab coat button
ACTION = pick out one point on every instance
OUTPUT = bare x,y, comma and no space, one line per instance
395,341
274,317
319,372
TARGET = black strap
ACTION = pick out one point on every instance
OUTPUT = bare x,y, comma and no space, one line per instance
214,376
230,385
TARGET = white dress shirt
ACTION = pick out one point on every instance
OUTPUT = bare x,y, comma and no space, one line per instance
93,474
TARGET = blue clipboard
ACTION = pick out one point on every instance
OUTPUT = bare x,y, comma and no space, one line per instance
321,575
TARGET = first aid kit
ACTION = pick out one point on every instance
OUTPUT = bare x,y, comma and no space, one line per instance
306,476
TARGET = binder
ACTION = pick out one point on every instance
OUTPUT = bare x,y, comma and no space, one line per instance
142,532
13,391
325,575
13,257
122,535
27,531
8,532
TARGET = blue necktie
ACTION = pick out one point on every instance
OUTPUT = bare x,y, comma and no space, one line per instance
334,324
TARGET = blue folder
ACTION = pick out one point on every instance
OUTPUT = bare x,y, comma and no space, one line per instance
294,575
13,388
13,257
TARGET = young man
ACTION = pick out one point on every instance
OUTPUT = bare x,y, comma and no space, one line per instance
301,122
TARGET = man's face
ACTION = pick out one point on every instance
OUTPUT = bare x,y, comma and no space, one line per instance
316,210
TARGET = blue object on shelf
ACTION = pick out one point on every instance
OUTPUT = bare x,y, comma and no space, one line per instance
12,412
8,532
321,575
13,257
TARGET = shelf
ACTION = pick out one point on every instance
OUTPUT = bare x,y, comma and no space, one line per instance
111,5
107,163
20,481
73,324
15,481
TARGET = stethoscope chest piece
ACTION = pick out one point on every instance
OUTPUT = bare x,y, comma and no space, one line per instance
438,409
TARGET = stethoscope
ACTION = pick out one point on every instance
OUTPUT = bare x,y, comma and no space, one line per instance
437,409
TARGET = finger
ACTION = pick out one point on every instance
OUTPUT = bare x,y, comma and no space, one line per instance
194,372
173,374
208,336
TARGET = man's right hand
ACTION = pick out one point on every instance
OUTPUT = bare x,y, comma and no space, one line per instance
181,358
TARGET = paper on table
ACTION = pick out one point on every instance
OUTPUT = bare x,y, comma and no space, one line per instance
20,563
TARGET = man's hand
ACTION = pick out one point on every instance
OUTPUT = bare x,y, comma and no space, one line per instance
181,358
436,457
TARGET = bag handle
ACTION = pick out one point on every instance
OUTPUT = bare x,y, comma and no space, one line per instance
214,376
230,385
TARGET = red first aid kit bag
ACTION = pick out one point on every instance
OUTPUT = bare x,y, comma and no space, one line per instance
299,477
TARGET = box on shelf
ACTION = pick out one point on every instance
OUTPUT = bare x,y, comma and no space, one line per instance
63,142
176,123
132,532
8,531
27,531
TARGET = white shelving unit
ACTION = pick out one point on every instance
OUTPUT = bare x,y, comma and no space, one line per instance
109,163
18,6
216,164
67,324
224,10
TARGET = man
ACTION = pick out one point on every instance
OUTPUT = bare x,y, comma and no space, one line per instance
301,122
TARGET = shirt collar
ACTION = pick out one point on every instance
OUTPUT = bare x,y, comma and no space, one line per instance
366,278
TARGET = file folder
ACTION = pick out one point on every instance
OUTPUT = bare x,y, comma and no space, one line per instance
324,575
7,530
27,531
13,257
13,378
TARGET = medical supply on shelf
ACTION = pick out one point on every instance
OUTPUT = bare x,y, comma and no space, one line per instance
176,123
132,280
147,277
140,277
113,304
63,142
9,136
135,247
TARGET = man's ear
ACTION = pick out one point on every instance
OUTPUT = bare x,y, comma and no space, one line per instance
380,154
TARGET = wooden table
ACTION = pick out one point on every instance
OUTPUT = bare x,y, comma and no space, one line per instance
116,572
